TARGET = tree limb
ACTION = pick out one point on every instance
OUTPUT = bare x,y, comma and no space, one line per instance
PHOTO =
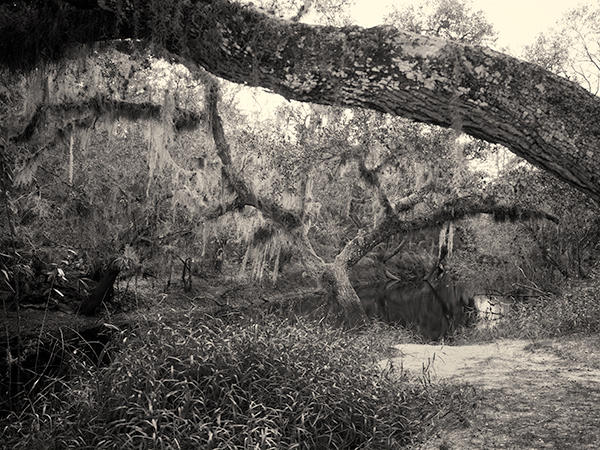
387,256
546,119
455,209
371,178
50,120
410,201
287,219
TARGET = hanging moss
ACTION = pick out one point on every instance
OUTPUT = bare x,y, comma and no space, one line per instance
263,233
510,214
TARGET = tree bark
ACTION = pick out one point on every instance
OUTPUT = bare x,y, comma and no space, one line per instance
102,292
342,297
551,122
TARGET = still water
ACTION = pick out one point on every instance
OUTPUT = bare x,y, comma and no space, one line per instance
431,309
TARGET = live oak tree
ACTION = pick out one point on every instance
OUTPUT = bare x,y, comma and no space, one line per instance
572,47
334,274
448,19
95,166
547,120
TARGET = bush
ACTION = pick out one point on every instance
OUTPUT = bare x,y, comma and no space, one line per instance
205,382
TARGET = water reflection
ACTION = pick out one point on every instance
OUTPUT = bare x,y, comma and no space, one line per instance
432,309
491,309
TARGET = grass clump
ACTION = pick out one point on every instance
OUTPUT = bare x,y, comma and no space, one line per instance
205,382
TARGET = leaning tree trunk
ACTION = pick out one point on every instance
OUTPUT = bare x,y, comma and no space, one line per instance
548,120
102,292
342,297
335,275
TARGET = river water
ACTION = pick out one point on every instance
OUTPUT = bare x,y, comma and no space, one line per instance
431,309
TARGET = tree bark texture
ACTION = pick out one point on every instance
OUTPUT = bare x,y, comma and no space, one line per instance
551,122
341,294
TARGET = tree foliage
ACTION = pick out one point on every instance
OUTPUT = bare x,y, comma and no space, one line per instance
338,182
381,68
572,48
448,19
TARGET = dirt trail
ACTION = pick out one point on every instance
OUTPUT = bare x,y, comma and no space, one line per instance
532,395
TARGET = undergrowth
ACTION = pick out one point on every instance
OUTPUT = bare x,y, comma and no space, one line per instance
575,311
199,381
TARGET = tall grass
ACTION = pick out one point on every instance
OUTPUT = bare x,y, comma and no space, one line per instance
236,382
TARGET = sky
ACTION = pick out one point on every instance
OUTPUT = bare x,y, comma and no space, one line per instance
517,21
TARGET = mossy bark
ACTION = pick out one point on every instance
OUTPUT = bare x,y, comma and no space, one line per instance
546,119
342,298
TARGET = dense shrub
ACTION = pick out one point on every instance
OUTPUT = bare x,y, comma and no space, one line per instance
205,382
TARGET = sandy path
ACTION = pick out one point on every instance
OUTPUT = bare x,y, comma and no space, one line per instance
542,395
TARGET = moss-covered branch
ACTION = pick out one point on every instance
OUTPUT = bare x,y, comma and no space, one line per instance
50,120
288,220
546,119
455,209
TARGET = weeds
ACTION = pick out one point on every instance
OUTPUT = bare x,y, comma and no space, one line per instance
236,382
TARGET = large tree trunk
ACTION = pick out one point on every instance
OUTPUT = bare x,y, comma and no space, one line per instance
548,120
342,297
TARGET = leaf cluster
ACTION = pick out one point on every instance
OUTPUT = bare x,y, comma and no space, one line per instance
449,19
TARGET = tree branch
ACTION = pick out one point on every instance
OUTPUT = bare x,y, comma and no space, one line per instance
287,219
371,178
410,201
455,209
387,256
546,119
50,120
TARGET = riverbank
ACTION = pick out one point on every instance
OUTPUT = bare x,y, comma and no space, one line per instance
530,394
497,390
185,378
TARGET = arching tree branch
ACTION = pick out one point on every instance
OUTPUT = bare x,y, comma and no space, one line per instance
455,209
546,119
